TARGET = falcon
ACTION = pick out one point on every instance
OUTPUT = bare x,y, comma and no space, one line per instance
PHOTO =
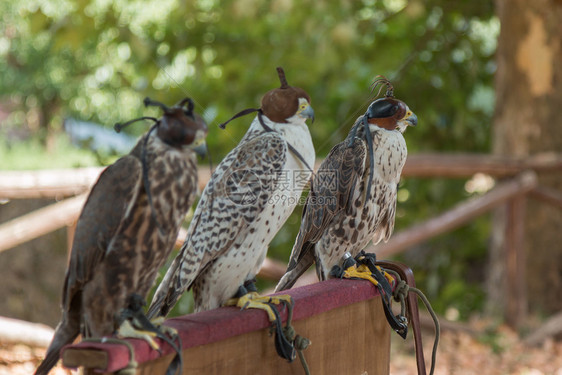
353,195
248,198
128,227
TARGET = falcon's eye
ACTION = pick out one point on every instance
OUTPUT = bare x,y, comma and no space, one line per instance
382,108
303,106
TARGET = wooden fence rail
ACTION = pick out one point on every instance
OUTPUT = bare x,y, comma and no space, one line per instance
458,215
69,182
40,222
60,183
518,179
467,165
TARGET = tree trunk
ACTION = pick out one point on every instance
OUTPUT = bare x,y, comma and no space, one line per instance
527,121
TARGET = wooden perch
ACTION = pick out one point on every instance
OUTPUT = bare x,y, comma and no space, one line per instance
40,222
344,320
457,216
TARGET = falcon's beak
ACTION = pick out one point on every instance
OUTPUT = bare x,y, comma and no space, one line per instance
201,150
308,113
199,146
411,119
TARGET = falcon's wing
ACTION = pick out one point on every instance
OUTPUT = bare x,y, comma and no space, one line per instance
331,192
239,190
104,210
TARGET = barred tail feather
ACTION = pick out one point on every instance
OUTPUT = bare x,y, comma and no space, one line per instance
295,270
65,334
167,293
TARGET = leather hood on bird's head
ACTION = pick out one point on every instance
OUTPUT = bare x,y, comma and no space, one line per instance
277,104
283,102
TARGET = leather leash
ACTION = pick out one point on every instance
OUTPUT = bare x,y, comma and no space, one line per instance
413,315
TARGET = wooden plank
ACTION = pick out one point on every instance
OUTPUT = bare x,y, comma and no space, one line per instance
353,339
455,217
343,318
85,358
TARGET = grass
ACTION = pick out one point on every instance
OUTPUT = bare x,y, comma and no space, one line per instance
31,154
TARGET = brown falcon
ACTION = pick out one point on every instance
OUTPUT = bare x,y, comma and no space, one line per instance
353,195
128,227
250,195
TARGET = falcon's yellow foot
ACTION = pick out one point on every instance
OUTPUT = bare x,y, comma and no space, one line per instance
363,272
126,330
158,323
284,339
364,268
359,272
252,300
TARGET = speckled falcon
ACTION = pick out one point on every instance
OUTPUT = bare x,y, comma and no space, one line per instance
353,195
128,228
248,198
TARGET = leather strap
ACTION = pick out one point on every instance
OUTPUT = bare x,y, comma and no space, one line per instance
239,114
290,146
412,308
267,129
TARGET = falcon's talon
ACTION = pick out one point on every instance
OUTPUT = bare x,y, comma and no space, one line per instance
158,322
360,272
387,276
167,330
253,300
126,330
282,298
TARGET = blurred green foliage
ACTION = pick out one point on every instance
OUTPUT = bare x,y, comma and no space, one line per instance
32,154
96,60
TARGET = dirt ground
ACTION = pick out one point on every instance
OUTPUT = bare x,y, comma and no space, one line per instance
22,360
498,352
495,352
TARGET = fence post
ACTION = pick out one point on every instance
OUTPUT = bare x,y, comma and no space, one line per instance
515,258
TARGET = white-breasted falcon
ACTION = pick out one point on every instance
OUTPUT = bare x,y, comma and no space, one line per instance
248,198
128,227
353,201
